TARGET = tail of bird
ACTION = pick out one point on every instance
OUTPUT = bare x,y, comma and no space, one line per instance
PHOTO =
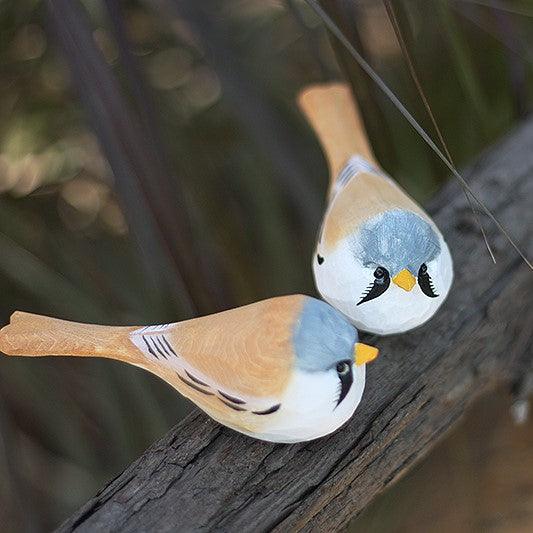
333,113
35,335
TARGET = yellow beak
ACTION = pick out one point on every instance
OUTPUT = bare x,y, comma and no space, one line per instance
405,280
364,354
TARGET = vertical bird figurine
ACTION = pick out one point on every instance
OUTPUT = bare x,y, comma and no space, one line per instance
380,259
287,369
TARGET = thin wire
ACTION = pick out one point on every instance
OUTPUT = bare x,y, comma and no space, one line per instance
412,121
410,64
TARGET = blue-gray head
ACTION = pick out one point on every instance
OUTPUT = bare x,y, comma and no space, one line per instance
322,337
398,240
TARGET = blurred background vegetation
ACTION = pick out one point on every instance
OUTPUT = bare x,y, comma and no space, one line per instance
154,166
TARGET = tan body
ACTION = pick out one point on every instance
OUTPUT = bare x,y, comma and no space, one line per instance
288,369
331,110
252,364
367,196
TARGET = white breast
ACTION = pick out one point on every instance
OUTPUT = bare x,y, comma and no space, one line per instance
308,409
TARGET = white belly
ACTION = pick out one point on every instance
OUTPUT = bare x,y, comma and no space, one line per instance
308,409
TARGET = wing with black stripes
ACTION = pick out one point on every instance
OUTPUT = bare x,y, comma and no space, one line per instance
165,358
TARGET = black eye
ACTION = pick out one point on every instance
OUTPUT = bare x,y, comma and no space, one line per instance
379,273
343,368
380,285
425,282
344,371
319,259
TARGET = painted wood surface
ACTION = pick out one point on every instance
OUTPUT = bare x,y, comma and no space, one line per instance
333,113
286,369
372,232
202,477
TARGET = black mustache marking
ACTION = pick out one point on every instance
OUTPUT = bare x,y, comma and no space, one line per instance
376,288
346,381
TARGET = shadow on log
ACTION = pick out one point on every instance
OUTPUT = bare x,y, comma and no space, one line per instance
202,476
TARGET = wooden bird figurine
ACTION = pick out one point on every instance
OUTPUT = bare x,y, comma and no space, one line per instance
380,259
287,369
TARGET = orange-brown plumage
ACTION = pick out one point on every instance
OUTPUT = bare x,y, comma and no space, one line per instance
332,111
268,369
35,335
252,363
360,200
255,358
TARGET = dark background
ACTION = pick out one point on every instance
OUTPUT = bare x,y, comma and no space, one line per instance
154,166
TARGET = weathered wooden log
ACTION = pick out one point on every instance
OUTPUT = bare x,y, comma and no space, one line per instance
203,477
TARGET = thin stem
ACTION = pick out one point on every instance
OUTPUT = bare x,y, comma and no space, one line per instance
412,71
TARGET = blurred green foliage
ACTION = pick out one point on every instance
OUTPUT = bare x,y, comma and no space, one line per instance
213,89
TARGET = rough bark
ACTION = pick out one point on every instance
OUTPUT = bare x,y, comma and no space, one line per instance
203,477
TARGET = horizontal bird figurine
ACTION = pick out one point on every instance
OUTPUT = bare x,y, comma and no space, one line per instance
380,259
287,369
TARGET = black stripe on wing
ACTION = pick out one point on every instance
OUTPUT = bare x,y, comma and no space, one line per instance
232,399
169,347
268,411
234,407
196,380
229,401
159,345
157,348
195,387
150,349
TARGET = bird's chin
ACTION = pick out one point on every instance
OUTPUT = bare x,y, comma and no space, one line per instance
391,329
